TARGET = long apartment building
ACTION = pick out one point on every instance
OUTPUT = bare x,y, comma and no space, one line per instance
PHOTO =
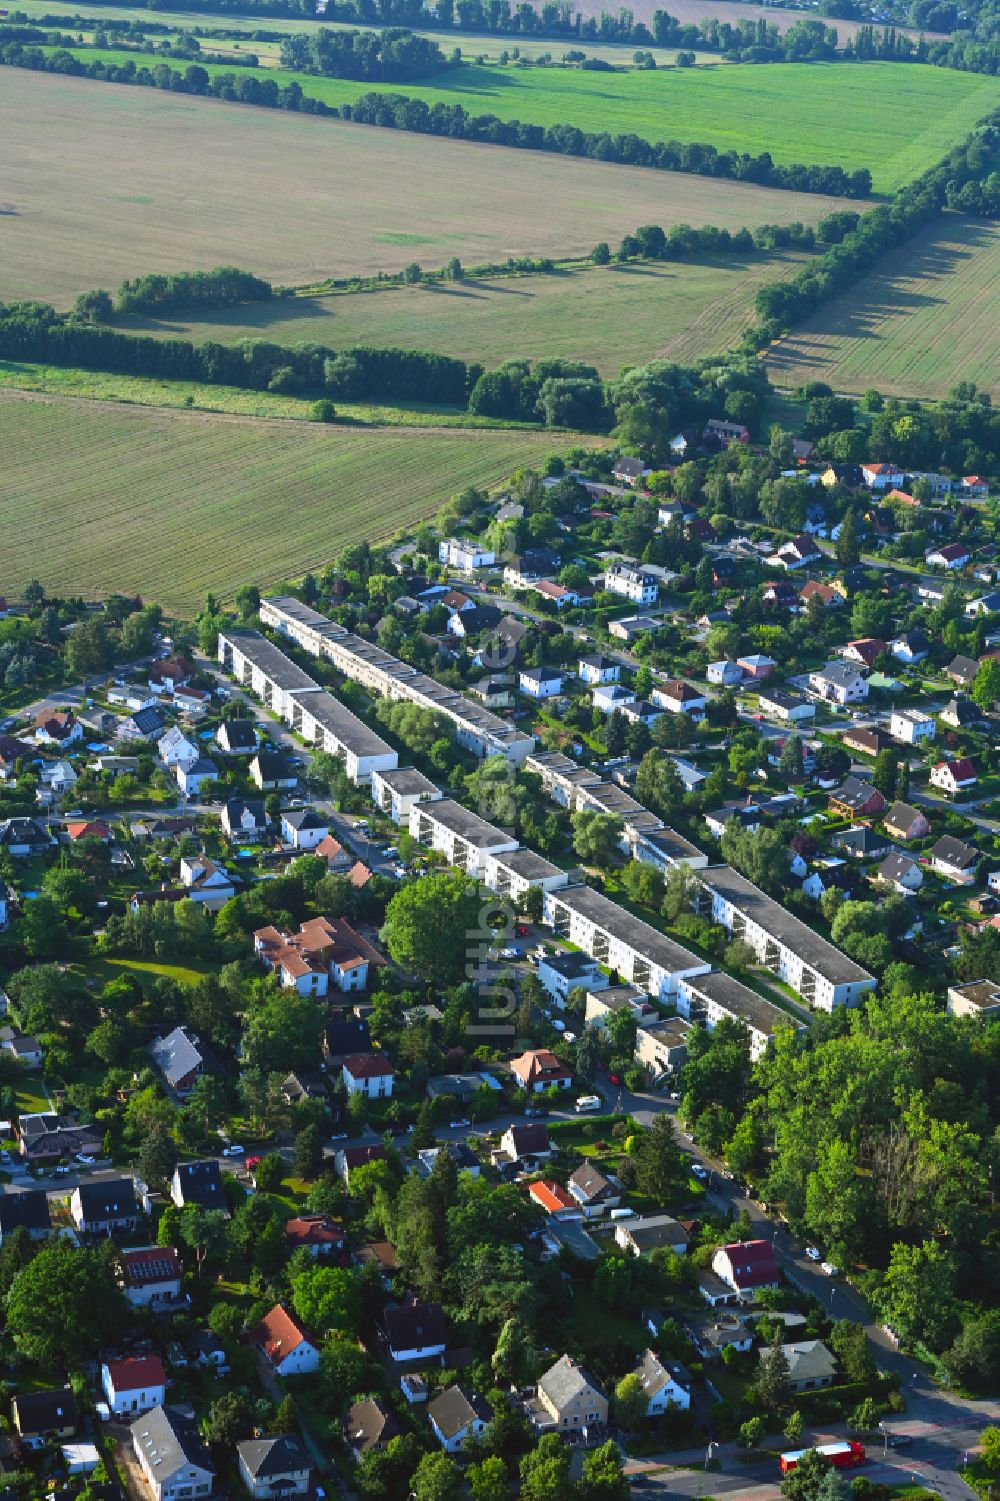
816,970
644,837
462,837
476,729
711,998
322,720
641,954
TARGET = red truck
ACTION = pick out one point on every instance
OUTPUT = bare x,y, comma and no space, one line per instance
843,1456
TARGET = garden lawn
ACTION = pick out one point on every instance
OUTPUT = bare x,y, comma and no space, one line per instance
32,1096
895,120
106,967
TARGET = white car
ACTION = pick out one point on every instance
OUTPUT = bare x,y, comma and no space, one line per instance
86,1159
813,1254
700,1173
339,1136
829,1268
233,1150
459,1125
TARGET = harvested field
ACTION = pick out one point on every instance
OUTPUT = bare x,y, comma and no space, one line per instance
894,120
691,12
99,497
928,318
688,12
473,44
608,316
96,193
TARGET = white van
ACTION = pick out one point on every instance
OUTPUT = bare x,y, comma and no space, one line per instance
588,1102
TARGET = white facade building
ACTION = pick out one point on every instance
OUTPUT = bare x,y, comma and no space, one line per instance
815,969
643,956
479,731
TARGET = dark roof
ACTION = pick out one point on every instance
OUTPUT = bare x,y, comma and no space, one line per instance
530,1138
281,1455
863,841
201,1183
23,831
272,765
413,1326
240,733
254,805
29,1209
903,816
148,721
590,1181
46,1411
955,852
453,1410
113,1200
341,1038
370,1423
857,794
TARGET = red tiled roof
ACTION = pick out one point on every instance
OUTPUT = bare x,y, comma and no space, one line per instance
137,1374
314,1230
752,1262
279,1333
551,1196
962,770
368,1066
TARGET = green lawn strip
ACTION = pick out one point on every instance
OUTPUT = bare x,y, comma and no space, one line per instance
894,120
138,390
105,967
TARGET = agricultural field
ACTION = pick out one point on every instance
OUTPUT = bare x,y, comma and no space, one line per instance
173,504
688,12
894,120
691,12
926,319
608,316
472,44
92,193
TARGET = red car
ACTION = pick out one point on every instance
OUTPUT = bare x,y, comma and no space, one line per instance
614,1078
251,1163
522,930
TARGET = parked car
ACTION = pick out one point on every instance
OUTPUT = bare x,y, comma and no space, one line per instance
522,930
829,1268
233,1150
459,1125
900,1440
614,1078
535,1112
814,1254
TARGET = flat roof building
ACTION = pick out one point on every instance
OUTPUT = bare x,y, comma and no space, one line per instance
641,954
476,729
710,998
814,968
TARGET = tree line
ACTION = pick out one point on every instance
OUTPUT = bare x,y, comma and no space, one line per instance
648,403
398,112
35,331
453,121
391,56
